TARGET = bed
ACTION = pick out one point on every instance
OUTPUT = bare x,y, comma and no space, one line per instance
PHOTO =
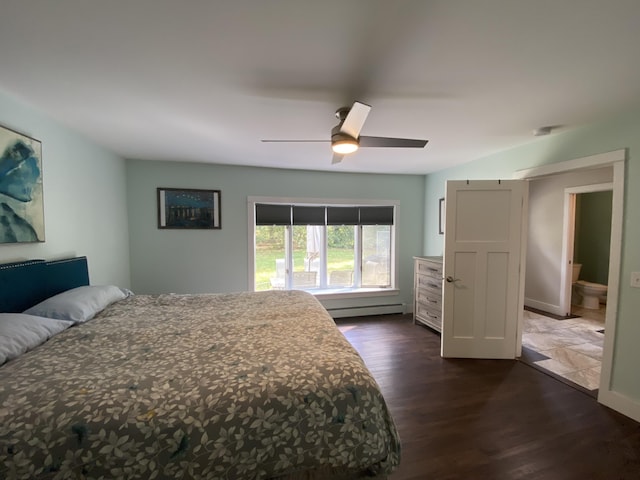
222,386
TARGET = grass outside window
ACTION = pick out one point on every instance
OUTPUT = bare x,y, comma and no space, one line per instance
340,259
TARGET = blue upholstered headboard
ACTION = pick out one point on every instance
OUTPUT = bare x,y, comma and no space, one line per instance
23,284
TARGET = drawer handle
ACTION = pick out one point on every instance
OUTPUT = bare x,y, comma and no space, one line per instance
433,285
431,269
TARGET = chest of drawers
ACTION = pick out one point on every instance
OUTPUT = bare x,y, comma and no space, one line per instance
427,292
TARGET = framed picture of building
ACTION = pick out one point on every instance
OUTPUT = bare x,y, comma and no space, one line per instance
183,208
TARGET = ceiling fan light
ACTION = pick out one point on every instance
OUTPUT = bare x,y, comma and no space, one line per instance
345,146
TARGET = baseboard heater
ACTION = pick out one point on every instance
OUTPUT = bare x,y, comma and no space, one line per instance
367,310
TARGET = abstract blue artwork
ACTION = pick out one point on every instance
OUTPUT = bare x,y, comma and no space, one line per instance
21,200
188,208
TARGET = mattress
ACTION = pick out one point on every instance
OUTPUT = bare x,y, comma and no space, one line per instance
226,386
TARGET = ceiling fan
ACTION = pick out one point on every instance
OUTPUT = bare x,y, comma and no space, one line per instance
346,138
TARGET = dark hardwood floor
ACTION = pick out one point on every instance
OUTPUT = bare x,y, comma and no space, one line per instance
488,419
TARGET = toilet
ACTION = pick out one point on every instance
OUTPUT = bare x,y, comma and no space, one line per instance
592,294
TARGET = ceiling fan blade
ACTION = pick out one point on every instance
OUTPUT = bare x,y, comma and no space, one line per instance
294,141
355,119
337,158
391,142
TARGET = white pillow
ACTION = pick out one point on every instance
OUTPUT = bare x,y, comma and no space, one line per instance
78,304
19,333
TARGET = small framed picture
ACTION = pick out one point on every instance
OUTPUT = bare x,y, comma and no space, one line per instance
441,217
191,209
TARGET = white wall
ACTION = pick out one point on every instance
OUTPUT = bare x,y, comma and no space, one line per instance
85,207
216,260
544,244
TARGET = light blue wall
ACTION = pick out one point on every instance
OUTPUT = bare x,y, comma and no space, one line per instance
623,132
85,208
216,260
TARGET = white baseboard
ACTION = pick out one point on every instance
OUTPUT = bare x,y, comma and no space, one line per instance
620,403
367,310
545,307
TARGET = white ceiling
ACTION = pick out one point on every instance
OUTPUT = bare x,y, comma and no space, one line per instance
206,80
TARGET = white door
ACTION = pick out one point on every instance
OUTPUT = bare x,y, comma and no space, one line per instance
483,287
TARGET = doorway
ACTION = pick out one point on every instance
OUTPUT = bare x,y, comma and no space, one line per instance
569,346
616,161
586,240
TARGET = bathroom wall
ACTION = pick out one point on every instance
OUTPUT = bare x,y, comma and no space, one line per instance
593,235
545,232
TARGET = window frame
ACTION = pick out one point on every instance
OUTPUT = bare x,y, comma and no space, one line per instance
329,293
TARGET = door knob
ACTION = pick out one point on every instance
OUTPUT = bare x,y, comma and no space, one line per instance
450,279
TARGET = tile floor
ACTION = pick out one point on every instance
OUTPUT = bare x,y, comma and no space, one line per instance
569,348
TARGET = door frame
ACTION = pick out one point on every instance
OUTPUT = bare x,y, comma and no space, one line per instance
616,159
568,238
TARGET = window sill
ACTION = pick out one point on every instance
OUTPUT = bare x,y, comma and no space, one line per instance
337,293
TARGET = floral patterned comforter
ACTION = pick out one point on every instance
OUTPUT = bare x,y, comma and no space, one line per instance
228,386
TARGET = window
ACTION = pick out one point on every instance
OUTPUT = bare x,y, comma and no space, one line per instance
322,247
